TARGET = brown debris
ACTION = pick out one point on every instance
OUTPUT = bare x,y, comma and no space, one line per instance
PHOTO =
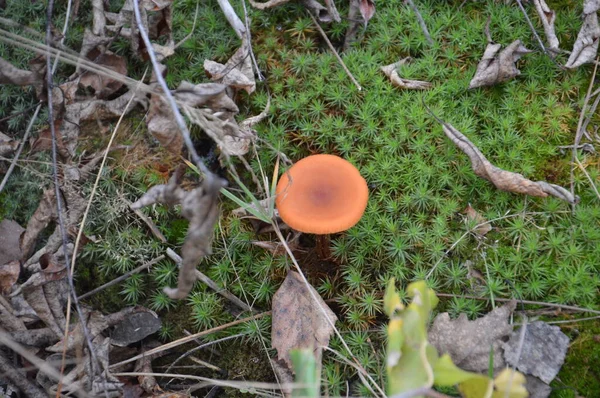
547,16
473,215
498,66
502,179
298,320
325,13
200,207
391,71
9,273
586,44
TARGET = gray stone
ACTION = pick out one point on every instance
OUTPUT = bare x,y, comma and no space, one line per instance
134,328
544,350
537,388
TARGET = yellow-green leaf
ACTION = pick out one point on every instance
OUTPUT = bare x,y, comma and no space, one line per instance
509,384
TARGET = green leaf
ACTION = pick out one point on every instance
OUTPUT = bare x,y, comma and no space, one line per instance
307,374
447,374
391,300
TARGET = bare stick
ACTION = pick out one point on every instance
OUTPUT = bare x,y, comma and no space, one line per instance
337,56
201,346
421,21
561,306
579,132
193,28
187,339
122,277
210,283
588,177
233,19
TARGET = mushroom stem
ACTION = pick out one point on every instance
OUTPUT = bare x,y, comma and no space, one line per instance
323,247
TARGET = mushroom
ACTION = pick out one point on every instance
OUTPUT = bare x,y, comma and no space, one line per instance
322,195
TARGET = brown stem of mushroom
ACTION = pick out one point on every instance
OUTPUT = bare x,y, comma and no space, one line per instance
323,247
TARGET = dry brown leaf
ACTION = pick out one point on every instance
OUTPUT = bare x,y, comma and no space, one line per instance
161,124
9,273
502,179
391,71
498,66
10,233
43,142
367,9
237,72
298,319
7,145
322,13
469,342
43,215
200,207
9,74
586,44
104,86
473,215
547,16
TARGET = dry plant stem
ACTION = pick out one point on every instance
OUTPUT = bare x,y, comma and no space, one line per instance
589,318
78,239
61,222
329,320
170,99
43,366
39,107
588,177
579,132
561,306
537,37
235,21
187,353
18,379
421,21
122,277
335,53
187,339
186,38
210,283
519,352
216,382
259,75
153,228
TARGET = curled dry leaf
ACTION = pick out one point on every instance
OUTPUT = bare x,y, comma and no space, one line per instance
502,179
498,66
237,72
9,273
473,215
10,233
9,74
590,6
7,145
200,207
391,71
547,16
367,9
469,342
43,215
323,13
102,85
586,44
299,320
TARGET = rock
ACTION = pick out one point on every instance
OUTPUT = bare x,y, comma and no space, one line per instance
134,328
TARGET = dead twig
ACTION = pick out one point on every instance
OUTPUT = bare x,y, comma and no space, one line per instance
153,228
335,53
122,277
212,284
421,21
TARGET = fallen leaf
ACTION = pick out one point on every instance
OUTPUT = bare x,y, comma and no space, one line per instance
586,44
473,215
543,352
7,145
43,142
161,124
10,232
547,16
41,218
367,9
135,328
590,6
298,319
502,179
103,85
469,342
498,66
322,13
9,273
9,74
391,71
237,71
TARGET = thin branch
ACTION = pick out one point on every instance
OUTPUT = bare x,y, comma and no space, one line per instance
421,21
201,346
187,339
588,177
337,56
122,277
541,303
233,19
212,284
537,37
153,228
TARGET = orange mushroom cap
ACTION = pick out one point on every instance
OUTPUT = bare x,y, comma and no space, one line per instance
322,194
